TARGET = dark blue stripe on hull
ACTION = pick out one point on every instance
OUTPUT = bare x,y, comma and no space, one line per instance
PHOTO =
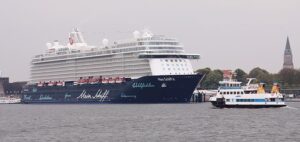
148,89
220,105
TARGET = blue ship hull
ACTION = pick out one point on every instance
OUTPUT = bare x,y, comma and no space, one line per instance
147,89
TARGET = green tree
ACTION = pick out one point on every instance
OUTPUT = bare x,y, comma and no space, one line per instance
240,75
297,77
261,75
204,71
212,79
288,76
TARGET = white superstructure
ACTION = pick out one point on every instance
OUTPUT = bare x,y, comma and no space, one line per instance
145,54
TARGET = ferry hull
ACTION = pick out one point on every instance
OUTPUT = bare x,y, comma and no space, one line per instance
224,105
148,89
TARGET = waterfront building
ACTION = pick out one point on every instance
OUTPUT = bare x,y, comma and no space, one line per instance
10,89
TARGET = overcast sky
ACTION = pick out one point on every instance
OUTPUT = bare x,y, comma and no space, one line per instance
228,34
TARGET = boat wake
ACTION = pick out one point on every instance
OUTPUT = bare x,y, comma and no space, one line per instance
291,107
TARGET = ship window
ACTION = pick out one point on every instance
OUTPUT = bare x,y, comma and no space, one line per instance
238,92
227,100
166,60
231,92
171,60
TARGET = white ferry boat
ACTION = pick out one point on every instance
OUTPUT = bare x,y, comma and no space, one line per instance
9,100
232,94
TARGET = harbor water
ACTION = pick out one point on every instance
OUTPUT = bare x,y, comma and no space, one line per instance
147,122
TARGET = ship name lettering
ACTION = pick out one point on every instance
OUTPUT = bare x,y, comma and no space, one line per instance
166,79
142,85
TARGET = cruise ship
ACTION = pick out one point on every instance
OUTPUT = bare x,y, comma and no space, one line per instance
147,68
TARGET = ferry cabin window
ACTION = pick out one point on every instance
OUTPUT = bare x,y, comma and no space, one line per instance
227,100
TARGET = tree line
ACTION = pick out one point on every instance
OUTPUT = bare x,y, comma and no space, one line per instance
287,78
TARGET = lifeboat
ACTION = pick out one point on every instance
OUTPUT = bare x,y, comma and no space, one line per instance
112,80
93,80
120,80
40,84
50,83
82,81
59,83
104,80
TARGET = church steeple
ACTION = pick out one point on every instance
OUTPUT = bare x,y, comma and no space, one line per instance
288,56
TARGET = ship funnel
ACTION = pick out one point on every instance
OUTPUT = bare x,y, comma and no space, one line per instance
136,34
105,42
76,37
